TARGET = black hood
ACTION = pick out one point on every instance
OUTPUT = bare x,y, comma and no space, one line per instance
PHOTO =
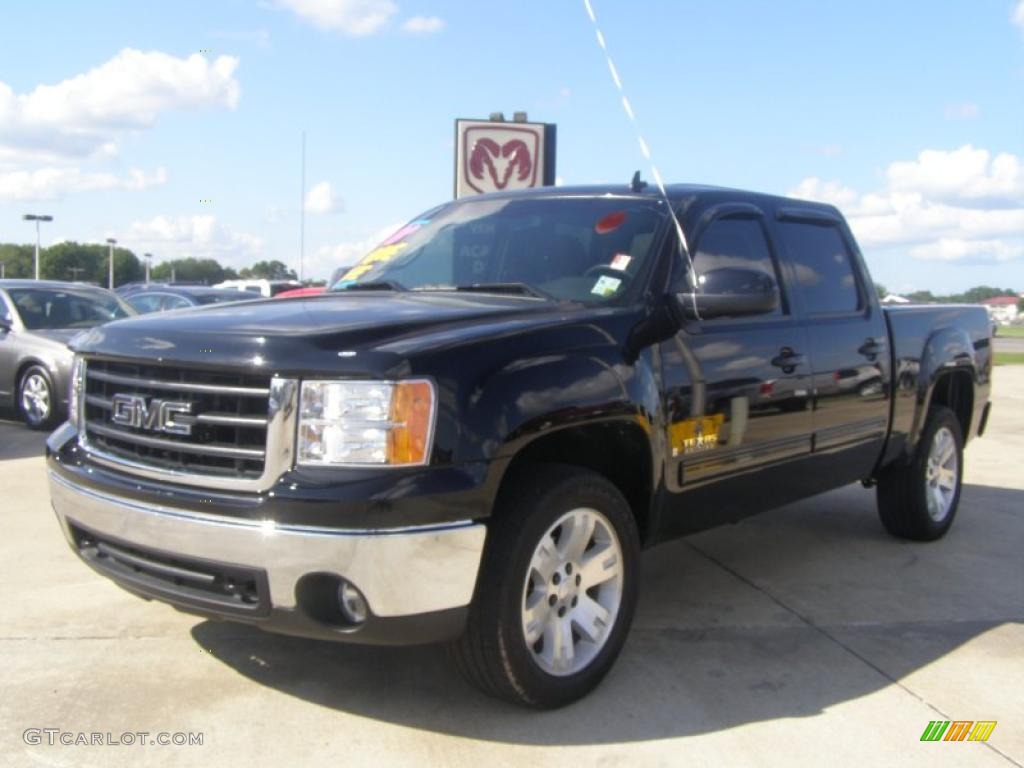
332,332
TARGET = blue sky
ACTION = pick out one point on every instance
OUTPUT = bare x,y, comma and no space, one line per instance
115,119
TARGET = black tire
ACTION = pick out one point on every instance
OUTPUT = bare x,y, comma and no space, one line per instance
34,376
903,491
493,654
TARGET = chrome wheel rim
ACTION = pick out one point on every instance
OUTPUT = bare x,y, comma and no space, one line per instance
941,475
572,592
35,398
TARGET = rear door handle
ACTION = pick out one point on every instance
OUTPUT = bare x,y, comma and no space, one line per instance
787,359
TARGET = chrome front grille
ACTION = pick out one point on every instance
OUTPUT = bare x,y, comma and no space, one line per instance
198,427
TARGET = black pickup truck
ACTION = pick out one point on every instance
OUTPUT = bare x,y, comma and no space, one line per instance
472,436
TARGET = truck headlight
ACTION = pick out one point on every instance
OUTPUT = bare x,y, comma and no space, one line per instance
366,423
76,392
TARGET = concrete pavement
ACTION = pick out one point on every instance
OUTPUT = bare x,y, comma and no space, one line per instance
801,636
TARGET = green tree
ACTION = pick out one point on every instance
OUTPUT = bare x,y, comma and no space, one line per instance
17,260
88,262
982,292
268,270
192,270
881,290
921,296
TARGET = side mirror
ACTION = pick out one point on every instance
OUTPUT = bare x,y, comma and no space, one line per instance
729,292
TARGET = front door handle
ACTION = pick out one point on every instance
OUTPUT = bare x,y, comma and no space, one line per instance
788,359
871,348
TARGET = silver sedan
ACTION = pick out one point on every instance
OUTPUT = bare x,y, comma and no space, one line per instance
37,320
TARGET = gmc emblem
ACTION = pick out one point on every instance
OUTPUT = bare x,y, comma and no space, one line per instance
157,416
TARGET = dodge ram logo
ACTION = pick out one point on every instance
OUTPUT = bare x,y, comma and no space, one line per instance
157,416
497,156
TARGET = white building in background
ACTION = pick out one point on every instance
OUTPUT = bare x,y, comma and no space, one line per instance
892,298
1002,309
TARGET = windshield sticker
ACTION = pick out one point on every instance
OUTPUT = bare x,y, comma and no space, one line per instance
606,286
610,223
620,261
377,256
405,231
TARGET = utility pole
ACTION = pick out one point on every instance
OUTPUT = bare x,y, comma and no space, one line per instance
148,257
110,280
37,218
302,210
74,273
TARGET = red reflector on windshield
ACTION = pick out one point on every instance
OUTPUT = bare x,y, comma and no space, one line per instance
610,223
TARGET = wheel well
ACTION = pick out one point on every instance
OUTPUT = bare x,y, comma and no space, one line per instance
618,451
955,391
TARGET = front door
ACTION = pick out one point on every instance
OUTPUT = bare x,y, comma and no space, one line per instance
737,391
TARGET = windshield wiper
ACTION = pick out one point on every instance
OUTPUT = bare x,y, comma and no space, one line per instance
376,285
523,289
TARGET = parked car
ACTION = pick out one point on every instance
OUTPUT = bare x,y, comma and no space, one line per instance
471,439
164,298
37,319
265,288
296,293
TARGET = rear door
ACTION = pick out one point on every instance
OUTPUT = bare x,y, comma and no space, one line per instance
849,353
737,390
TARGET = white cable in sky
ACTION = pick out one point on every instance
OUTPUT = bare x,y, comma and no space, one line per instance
645,149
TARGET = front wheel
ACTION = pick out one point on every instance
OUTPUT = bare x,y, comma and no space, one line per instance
918,500
36,398
557,589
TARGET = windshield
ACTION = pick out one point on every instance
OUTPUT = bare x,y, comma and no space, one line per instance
222,296
52,308
572,249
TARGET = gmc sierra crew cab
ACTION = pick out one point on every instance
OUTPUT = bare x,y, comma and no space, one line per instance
472,436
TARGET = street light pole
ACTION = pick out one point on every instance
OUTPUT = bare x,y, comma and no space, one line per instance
37,218
147,257
110,280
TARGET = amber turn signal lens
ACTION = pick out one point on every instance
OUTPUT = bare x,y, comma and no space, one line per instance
412,408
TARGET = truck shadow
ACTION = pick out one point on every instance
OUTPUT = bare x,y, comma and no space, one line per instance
725,634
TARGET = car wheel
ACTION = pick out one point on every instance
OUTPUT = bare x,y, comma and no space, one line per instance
557,589
36,398
918,500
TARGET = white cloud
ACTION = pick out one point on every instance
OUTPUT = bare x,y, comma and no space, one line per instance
963,173
964,204
201,236
351,17
965,110
85,114
320,199
325,260
955,250
53,183
423,25
1018,15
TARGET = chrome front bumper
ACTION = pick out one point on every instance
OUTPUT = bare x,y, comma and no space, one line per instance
401,572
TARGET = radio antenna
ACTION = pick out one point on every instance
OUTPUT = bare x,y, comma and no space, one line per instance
644,150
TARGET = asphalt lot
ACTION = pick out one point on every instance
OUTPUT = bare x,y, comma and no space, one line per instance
801,636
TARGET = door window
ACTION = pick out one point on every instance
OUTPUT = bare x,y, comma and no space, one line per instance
824,271
737,242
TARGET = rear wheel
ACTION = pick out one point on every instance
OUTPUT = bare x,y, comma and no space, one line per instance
918,500
36,398
556,592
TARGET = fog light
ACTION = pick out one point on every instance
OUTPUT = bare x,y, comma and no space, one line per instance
352,603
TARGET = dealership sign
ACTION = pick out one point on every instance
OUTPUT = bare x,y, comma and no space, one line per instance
492,156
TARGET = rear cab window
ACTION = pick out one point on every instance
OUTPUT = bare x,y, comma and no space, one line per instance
826,278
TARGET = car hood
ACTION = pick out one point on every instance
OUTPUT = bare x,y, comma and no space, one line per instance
370,332
59,336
